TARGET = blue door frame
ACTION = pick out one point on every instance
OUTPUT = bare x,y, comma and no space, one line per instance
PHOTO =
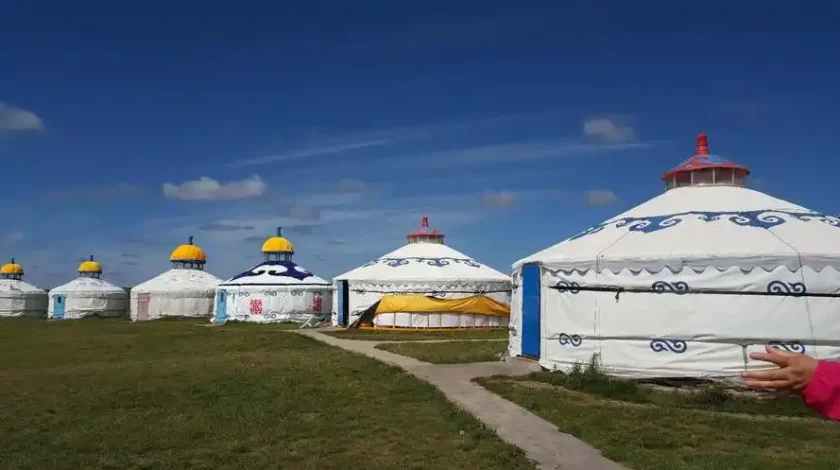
531,310
221,306
343,291
58,307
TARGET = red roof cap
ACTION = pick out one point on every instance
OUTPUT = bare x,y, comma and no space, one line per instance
424,231
703,159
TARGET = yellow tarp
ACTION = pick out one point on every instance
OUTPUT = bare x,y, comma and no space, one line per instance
415,303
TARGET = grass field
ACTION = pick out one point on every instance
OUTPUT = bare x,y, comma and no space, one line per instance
645,428
450,352
403,335
100,394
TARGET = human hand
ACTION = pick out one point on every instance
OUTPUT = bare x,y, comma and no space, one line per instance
792,376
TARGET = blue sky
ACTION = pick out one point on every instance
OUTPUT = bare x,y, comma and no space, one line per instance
126,128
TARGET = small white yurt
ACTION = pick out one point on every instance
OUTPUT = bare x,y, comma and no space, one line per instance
184,291
687,284
431,275
276,290
17,297
87,295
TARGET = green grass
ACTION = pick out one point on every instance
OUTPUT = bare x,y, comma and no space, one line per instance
645,428
109,394
385,335
450,352
590,380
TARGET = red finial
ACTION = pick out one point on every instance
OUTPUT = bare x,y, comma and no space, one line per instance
702,145
425,223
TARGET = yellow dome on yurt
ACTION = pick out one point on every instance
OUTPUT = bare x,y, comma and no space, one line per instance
278,247
90,267
188,255
11,269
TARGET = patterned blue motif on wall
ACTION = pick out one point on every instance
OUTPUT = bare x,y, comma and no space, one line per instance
569,340
276,268
765,218
437,262
793,346
567,286
670,345
794,289
678,287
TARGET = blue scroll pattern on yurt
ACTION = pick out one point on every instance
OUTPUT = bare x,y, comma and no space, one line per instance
276,268
437,262
766,218
678,346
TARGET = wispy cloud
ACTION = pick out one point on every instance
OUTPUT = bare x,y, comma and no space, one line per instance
13,119
14,237
351,142
222,227
311,152
209,189
600,197
610,128
502,198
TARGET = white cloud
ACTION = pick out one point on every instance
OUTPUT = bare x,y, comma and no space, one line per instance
209,189
498,198
611,129
14,237
312,152
16,119
600,197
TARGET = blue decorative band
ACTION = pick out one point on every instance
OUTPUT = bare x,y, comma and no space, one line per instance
673,345
678,287
765,218
437,262
569,340
793,346
781,287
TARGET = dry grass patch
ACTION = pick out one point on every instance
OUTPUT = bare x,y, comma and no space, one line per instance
450,352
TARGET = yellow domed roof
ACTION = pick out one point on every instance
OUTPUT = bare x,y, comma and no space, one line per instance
90,266
188,252
11,268
278,244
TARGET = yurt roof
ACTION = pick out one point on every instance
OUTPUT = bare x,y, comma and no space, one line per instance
702,225
424,258
16,287
275,273
179,280
87,285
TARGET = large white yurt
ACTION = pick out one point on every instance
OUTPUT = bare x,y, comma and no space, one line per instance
186,290
427,272
87,295
276,290
686,284
17,297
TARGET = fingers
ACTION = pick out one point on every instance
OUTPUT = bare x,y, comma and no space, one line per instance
778,351
771,356
772,384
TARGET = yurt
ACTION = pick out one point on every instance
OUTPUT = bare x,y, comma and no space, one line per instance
87,295
276,290
17,297
685,285
437,286
186,290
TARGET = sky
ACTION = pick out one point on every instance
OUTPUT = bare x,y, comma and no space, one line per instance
126,127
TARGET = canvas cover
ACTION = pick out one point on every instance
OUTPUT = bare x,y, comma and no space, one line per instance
430,269
186,293
274,291
19,298
85,296
687,285
423,304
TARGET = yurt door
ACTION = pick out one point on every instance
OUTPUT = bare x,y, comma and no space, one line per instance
58,307
221,306
343,292
531,306
142,307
